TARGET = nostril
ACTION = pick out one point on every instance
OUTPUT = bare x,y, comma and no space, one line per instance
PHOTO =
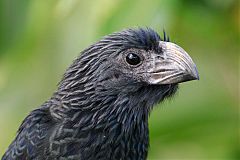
162,57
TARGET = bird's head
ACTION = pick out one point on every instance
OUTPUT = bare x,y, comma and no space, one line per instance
134,64
109,90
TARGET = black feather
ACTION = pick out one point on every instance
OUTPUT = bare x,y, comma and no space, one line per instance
98,112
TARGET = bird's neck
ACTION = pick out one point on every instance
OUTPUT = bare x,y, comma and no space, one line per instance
108,117
117,121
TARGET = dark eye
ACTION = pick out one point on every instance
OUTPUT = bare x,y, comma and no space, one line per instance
133,59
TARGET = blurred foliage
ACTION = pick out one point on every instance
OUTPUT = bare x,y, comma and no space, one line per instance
39,39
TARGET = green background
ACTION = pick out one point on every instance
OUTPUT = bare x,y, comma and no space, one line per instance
40,38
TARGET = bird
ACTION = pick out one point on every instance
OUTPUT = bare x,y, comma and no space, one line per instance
101,107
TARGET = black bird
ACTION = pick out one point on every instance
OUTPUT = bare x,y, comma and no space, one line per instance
101,107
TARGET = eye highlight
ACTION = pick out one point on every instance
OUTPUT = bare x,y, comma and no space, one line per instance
133,59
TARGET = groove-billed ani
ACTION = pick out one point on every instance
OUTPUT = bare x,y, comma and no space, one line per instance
100,109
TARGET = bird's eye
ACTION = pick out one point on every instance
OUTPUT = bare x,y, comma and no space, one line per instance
133,59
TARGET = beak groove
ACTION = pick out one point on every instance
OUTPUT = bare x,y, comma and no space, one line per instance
173,66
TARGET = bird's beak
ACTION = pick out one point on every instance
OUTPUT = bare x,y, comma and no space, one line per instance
173,65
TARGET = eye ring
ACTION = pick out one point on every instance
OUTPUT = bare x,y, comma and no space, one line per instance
133,59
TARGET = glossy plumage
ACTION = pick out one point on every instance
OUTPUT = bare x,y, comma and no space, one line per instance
101,107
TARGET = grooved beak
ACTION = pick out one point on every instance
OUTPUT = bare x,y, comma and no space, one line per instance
173,65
